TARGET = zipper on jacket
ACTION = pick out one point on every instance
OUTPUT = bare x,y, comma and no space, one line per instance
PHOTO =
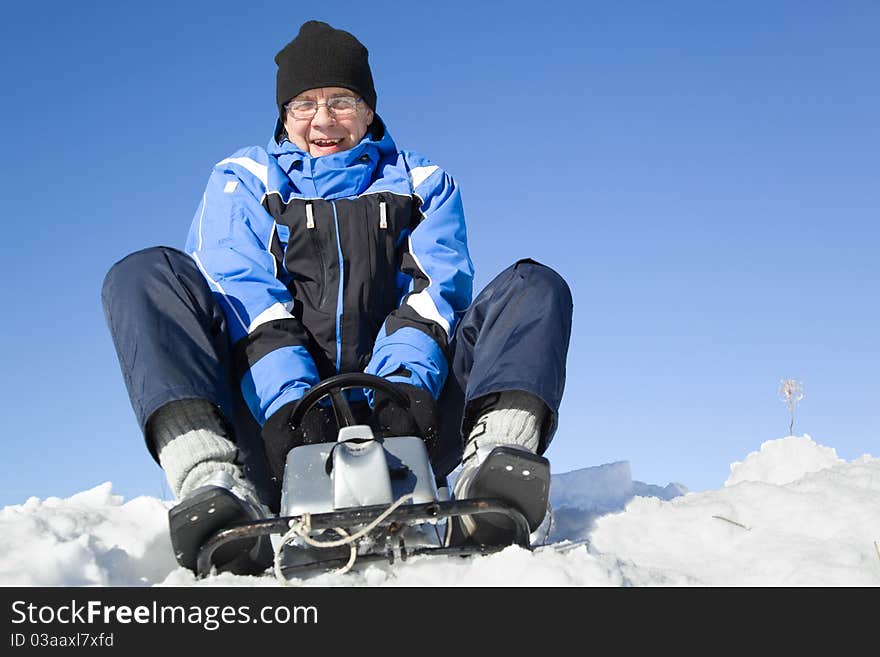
339,294
316,243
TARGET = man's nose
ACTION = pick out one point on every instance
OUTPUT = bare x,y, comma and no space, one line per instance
323,117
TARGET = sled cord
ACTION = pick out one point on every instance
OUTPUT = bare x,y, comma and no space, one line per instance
302,527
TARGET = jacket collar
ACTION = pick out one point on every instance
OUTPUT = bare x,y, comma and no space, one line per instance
332,176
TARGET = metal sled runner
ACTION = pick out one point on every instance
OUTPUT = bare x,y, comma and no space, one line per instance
386,533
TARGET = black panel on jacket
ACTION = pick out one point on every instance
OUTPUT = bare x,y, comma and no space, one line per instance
376,269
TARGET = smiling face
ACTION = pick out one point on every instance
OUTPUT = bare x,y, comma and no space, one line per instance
324,134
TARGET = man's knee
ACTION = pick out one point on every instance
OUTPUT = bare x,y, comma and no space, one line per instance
544,278
137,269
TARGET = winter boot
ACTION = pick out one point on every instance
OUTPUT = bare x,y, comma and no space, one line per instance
212,492
500,461
215,503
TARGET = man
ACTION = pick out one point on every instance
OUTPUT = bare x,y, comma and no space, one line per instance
330,251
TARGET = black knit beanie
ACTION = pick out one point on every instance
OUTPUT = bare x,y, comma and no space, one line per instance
322,56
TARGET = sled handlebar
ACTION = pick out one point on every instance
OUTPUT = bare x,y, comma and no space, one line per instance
333,388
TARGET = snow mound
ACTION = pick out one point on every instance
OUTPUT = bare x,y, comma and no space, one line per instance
89,539
822,529
577,498
783,461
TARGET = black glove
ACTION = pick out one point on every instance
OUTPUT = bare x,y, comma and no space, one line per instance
279,436
418,418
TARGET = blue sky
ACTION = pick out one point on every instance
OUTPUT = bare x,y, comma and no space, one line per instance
705,175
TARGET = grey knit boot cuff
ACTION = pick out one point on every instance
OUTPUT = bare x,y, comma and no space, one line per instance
512,418
191,441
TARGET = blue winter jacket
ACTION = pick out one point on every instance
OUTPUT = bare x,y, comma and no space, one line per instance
355,261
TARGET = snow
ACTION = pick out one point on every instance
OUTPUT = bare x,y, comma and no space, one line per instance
790,514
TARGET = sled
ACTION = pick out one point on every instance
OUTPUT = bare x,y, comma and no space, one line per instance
364,498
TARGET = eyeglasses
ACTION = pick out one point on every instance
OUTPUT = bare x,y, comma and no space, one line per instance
339,106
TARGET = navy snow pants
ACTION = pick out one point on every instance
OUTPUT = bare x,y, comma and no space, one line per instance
172,342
